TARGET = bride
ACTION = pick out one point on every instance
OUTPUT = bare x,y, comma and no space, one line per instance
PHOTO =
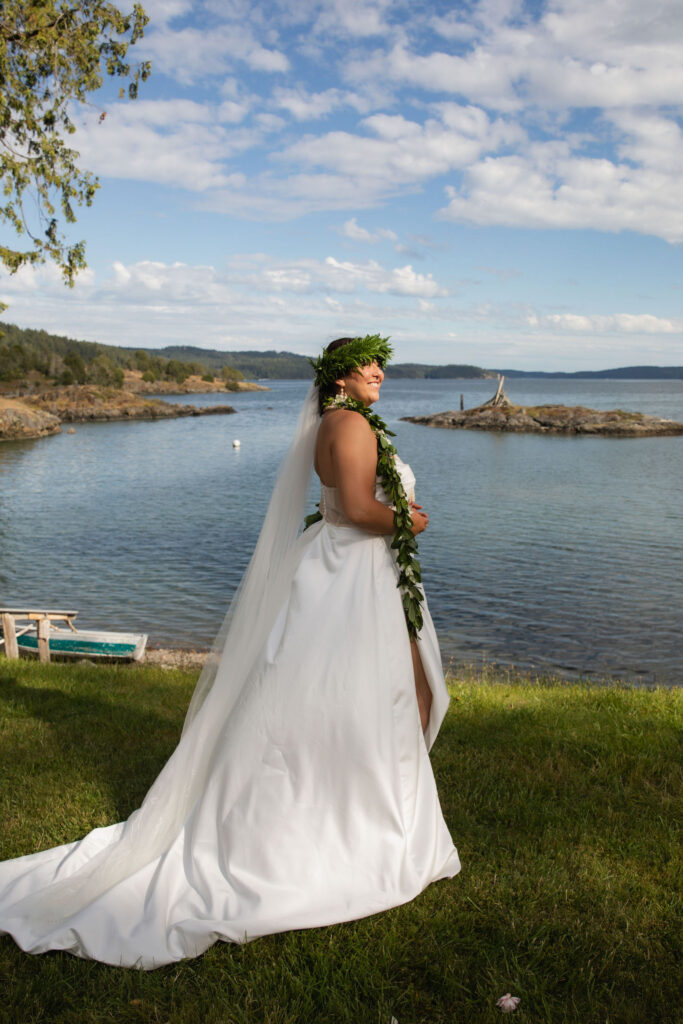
301,792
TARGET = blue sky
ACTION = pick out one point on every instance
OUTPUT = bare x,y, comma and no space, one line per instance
495,182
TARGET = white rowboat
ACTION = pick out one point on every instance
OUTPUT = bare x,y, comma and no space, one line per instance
86,643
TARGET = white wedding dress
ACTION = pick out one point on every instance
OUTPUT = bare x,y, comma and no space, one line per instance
316,803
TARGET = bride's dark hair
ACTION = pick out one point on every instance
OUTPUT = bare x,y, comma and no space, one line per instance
330,392
337,343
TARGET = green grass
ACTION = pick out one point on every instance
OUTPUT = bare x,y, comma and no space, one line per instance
560,798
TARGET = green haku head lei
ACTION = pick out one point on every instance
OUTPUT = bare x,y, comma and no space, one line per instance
330,366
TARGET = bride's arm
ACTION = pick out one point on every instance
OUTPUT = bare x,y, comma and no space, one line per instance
353,450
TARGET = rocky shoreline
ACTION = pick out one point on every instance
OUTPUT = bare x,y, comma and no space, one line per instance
40,415
551,419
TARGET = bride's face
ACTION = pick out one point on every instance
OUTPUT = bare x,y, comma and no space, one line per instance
363,384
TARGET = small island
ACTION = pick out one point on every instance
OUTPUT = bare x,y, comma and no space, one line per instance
42,414
47,380
500,414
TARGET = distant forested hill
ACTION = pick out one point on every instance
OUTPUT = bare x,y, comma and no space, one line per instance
25,351
459,371
28,357
290,366
271,364
620,372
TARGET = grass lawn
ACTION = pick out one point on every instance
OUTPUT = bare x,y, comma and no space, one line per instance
561,800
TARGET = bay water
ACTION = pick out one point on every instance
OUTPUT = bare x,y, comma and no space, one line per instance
549,553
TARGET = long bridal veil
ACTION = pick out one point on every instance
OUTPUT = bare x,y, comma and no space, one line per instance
92,868
252,611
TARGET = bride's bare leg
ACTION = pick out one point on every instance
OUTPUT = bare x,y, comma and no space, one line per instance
424,694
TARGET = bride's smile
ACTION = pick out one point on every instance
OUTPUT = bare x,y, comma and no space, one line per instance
364,383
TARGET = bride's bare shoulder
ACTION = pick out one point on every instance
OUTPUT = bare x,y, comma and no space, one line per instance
344,423
342,432
343,435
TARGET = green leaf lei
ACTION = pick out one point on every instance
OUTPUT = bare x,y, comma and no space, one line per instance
404,543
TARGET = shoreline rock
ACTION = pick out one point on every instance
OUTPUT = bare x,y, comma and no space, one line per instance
19,422
551,419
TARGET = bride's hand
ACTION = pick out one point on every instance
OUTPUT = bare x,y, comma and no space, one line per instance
420,519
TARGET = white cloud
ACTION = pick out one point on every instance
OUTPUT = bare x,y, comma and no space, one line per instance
270,122
32,281
403,152
346,277
160,12
548,186
160,113
355,18
170,142
306,106
351,229
650,140
165,285
609,55
481,76
627,323
399,281
309,106
179,283
266,197
404,281
340,170
453,26
189,54
152,284
232,111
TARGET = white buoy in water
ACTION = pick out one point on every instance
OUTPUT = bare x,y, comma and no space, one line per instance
236,444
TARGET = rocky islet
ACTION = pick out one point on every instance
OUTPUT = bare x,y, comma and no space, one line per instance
42,414
507,417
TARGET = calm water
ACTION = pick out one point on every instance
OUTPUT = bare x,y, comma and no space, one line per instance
553,553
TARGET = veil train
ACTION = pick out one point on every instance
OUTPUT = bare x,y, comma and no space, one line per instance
245,629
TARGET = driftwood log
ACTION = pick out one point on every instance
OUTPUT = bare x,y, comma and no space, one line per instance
499,400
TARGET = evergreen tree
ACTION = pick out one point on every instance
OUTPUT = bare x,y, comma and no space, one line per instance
53,54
